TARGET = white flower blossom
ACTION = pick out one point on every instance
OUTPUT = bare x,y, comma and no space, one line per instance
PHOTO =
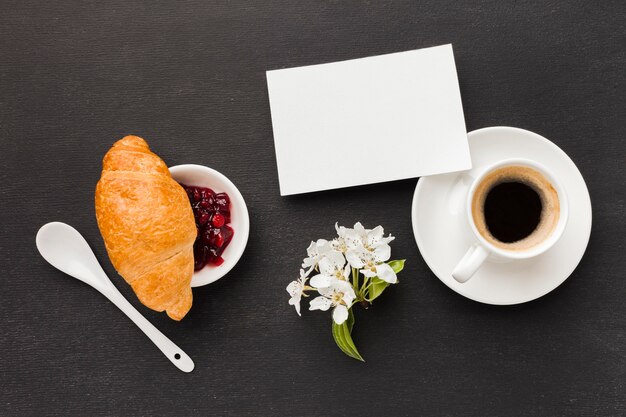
332,266
344,236
296,290
370,239
372,263
340,295
316,251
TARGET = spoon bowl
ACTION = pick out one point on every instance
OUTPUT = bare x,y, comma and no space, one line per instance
66,249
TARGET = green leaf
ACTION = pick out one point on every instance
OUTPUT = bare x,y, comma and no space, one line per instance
376,288
378,285
343,339
350,320
397,266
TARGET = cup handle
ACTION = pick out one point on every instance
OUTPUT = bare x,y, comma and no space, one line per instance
469,264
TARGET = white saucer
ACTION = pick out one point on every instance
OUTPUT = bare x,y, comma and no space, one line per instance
443,235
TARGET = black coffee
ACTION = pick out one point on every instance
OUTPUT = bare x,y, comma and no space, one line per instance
512,211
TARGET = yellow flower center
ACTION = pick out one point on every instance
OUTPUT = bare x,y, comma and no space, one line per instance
337,298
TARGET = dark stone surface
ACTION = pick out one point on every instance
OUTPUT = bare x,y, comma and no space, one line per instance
190,77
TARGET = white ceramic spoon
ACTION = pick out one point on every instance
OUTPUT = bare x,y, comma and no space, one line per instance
66,249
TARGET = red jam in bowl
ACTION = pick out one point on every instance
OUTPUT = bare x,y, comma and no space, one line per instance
212,213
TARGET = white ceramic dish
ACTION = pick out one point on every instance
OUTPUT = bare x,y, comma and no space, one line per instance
443,234
202,176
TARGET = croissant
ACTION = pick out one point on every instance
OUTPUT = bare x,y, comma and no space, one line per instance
148,226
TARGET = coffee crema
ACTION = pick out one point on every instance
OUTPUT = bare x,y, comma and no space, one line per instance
515,208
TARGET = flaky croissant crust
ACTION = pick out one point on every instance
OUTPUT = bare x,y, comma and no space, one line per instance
148,226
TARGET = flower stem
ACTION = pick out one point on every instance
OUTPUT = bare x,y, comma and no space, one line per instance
364,287
367,288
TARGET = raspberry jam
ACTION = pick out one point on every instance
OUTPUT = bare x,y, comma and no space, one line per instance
212,213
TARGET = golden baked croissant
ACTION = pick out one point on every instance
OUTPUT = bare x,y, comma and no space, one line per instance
148,226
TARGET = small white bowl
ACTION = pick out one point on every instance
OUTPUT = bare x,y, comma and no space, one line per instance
201,176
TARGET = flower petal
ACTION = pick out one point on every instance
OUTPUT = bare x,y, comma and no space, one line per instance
329,290
382,253
336,258
295,301
375,235
320,303
320,281
340,314
327,267
342,286
312,249
386,273
354,258
348,298
346,272
348,295
387,239
323,246
294,287
368,273
305,274
309,263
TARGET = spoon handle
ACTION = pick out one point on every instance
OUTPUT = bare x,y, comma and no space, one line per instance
175,354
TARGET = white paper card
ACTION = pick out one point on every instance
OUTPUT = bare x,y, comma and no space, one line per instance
367,120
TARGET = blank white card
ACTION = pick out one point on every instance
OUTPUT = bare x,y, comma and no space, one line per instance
367,120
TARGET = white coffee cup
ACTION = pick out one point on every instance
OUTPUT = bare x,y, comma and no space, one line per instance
483,249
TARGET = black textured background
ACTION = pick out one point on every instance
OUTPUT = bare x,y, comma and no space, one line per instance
189,76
